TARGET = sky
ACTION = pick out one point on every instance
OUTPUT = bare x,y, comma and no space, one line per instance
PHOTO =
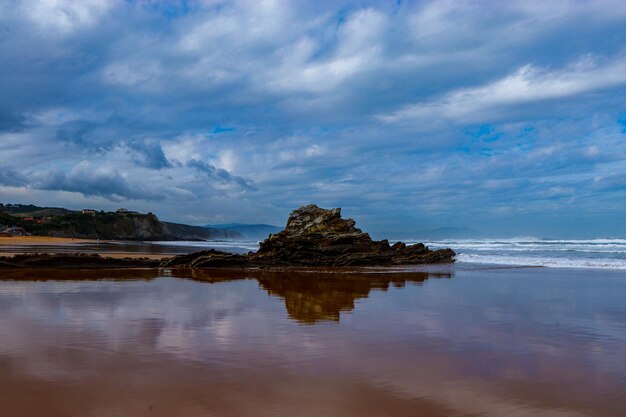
506,117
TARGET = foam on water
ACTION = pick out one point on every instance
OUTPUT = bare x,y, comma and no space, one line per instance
236,245
605,253
546,261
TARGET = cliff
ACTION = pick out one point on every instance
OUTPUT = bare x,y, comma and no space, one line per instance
122,226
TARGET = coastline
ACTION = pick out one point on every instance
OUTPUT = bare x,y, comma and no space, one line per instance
42,241
313,236
23,245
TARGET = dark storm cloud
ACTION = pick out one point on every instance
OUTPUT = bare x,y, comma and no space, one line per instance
220,175
92,181
12,178
148,153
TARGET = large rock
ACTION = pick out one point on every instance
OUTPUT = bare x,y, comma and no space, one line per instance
315,236
319,237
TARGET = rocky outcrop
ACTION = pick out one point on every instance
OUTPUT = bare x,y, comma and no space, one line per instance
315,236
208,259
73,260
319,237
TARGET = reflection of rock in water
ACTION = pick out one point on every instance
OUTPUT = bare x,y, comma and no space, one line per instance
311,297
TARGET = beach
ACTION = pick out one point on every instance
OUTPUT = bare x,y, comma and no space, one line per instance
10,246
41,241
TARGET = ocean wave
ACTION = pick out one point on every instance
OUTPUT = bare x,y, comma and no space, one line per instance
601,253
524,241
534,248
215,244
554,262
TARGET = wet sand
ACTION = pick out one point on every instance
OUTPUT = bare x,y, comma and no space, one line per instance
116,255
10,246
40,241
435,341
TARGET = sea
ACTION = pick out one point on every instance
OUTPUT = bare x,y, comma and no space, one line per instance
605,253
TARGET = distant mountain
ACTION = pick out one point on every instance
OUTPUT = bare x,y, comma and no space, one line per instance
248,231
186,232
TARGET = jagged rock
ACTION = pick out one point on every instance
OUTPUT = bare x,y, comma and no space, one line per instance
319,237
73,260
315,236
206,259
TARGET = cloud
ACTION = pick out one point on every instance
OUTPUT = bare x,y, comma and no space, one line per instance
9,120
12,178
220,175
527,84
91,180
148,153
407,114
65,16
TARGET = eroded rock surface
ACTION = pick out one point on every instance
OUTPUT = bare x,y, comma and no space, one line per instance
207,259
73,260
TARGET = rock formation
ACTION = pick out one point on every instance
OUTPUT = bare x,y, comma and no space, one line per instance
73,260
318,237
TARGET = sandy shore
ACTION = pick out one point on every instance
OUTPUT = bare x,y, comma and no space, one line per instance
10,246
41,240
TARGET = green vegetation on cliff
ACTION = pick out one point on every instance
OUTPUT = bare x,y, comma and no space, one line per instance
56,222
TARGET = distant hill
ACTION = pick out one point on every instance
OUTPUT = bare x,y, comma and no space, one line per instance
248,231
186,232
58,222
29,210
